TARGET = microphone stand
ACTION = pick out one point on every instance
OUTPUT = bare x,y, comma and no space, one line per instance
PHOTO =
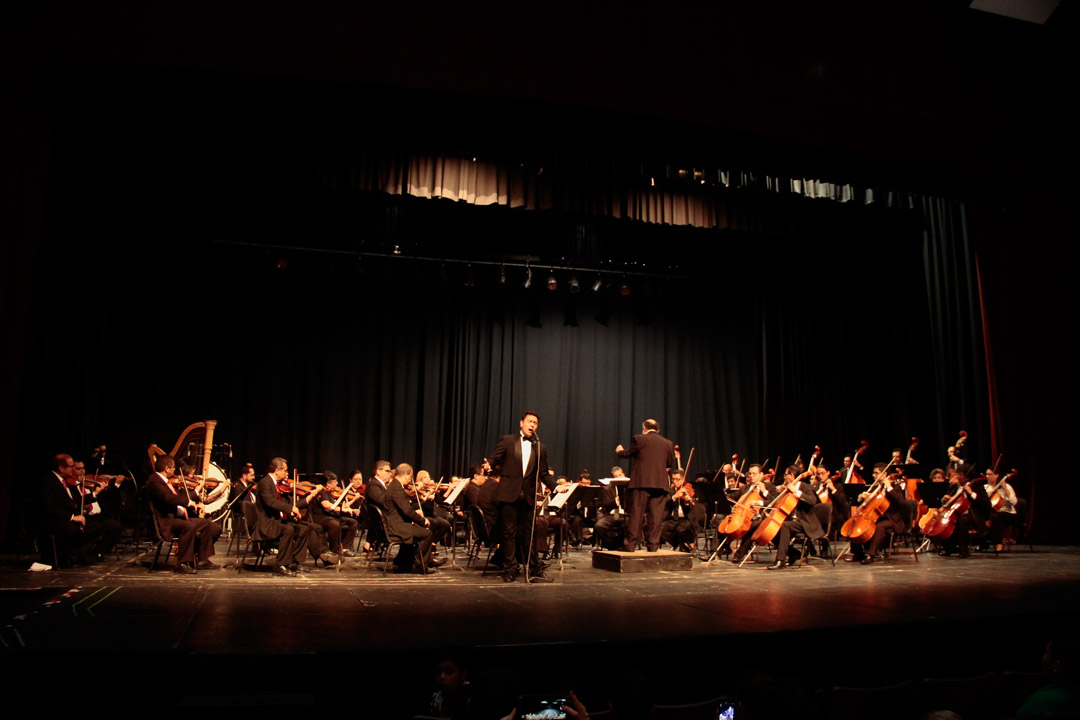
535,509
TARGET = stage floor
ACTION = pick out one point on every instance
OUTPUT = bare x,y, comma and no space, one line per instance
588,618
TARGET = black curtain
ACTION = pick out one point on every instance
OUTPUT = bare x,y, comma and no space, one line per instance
164,296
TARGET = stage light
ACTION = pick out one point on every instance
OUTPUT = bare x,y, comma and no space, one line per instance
624,289
575,286
528,278
470,281
552,283
502,275
598,284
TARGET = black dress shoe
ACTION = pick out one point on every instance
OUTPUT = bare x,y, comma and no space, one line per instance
185,569
508,577
283,570
297,568
778,565
540,578
868,560
207,565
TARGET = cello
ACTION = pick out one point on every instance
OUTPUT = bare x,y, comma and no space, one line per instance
738,521
860,527
783,504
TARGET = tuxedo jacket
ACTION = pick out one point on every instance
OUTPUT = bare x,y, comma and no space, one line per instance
505,462
653,456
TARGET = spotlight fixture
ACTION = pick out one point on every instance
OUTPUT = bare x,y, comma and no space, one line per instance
575,286
470,281
528,278
502,275
552,283
598,284
624,289
397,250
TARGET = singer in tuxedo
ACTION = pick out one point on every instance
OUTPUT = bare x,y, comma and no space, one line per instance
520,461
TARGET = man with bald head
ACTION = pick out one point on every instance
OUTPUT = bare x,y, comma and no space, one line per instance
654,456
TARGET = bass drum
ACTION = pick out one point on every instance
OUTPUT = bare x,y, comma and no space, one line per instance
216,500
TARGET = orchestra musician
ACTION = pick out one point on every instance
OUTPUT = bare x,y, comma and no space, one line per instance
766,490
684,516
280,520
427,492
803,519
898,517
326,512
82,535
405,523
837,498
610,530
1005,517
520,460
974,521
179,515
654,456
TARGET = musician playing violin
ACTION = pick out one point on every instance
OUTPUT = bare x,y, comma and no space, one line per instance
340,526
685,517
803,519
177,514
897,517
280,520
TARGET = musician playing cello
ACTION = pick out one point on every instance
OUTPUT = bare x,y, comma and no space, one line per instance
803,519
897,517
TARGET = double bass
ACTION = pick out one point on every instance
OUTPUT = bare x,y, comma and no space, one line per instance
853,477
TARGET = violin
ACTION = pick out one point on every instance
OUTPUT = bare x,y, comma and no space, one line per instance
685,493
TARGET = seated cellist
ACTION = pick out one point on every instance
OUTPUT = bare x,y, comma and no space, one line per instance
896,518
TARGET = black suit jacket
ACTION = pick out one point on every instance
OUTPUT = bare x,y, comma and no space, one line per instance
270,507
402,522
505,462
653,455
55,505
164,500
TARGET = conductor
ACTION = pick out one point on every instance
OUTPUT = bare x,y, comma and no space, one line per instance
654,455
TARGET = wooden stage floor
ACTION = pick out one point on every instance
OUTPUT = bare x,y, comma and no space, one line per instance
711,619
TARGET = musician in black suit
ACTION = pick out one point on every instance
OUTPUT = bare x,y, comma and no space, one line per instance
654,456
406,524
521,462
803,519
82,534
281,521
897,518
177,515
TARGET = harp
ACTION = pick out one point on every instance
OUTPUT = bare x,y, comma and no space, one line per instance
196,440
